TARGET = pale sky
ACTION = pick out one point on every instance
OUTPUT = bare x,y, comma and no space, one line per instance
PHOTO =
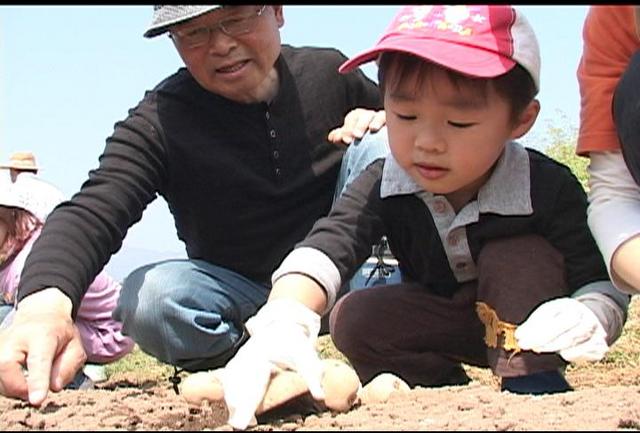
69,73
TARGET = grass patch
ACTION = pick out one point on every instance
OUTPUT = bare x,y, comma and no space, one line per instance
141,365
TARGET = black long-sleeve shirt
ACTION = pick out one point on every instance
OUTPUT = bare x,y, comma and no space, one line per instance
528,193
244,182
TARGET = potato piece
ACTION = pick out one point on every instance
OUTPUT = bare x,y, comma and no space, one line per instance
380,388
340,384
284,386
202,386
206,386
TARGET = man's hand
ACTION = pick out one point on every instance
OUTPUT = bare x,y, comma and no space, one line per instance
43,339
356,123
283,334
566,326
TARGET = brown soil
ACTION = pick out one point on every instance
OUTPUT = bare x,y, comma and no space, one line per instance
600,402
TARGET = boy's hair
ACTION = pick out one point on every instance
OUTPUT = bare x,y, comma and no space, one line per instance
516,86
484,41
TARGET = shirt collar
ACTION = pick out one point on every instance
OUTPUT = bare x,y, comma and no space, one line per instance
512,169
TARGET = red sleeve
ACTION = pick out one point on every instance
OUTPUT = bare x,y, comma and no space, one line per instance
609,40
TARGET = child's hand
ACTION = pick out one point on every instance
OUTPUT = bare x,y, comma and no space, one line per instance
566,326
283,334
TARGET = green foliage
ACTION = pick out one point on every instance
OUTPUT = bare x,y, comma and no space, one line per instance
561,145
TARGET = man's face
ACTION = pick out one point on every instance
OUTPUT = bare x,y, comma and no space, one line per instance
240,66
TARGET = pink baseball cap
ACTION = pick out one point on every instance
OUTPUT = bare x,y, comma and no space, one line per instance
478,40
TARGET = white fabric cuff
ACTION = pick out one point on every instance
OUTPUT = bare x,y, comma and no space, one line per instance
608,304
316,265
277,310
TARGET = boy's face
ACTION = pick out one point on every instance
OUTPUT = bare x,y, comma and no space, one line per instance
448,137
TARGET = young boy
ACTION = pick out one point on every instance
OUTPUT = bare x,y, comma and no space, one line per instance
488,235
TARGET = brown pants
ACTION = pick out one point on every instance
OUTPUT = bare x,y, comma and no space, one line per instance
423,338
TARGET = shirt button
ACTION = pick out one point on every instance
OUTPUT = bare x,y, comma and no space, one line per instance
267,115
277,172
272,133
276,154
439,207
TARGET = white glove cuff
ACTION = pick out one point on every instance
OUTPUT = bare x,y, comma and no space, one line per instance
287,312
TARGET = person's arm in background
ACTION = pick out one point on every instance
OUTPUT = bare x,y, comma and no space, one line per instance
614,218
610,40
101,334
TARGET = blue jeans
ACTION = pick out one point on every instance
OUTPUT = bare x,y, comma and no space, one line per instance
5,309
190,313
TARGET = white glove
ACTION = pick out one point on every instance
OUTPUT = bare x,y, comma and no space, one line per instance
283,334
566,326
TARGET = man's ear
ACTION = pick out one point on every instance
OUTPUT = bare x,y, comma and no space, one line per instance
526,119
279,13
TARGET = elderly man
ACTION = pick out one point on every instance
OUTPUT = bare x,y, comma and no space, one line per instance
237,144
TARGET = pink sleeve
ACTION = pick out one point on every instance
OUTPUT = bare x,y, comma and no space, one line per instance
101,334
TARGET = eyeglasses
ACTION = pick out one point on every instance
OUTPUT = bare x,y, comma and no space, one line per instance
235,26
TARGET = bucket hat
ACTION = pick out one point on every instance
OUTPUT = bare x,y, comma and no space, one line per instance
31,194
22,161
165,16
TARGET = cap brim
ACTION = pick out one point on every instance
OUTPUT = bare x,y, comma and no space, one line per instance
164,27
17,167
461,58
151,33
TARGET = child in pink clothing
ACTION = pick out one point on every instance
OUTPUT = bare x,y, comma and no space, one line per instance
19,228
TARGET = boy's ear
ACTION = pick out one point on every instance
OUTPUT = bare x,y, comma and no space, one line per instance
526,119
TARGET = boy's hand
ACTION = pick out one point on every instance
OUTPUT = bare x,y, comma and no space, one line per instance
283,334
566,326
356,123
